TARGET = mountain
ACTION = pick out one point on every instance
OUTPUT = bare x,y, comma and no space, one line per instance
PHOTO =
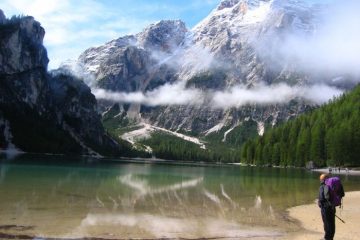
239,45
128,63
39,111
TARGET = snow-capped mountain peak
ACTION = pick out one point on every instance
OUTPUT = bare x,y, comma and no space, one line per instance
163,35
233,46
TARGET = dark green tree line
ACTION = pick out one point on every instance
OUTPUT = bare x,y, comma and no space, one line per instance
166,146
329,135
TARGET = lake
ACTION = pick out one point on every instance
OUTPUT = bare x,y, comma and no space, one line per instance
61,197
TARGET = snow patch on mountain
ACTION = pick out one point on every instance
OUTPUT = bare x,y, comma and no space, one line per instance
143,132
245,12
215,129
228,131
146,130
261,128
93,57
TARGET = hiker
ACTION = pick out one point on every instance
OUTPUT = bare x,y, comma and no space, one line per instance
327,210
327,202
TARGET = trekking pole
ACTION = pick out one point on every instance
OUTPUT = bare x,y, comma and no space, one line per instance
339,218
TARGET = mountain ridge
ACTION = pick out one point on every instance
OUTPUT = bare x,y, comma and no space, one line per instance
217,54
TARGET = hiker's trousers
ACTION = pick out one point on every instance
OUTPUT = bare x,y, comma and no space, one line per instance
328,217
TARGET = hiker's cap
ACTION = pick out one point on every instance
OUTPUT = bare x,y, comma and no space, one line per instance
323,176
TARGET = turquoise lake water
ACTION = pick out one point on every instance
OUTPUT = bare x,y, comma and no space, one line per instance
48,196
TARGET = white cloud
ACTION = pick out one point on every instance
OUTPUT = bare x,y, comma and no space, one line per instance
197,59
37,7
67,22
319,93
73,26
57,37
240,95
332,48
237,96
165,95
190,59
275,94
135,97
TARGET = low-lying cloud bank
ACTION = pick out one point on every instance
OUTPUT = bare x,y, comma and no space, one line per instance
168,94
275,94
332,47
237,96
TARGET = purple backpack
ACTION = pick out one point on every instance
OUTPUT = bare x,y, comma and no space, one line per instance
336,190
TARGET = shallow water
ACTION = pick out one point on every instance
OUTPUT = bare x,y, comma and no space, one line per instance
46,196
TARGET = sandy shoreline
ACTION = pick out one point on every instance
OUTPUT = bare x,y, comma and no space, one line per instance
310,220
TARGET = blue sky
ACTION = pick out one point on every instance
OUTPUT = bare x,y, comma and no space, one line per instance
74,25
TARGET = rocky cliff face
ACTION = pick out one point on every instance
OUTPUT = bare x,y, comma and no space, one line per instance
229,47
42,112
21,46
164,36
242,33
131,63
2,17
234,34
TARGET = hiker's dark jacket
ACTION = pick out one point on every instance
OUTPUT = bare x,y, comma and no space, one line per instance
324,196
327,211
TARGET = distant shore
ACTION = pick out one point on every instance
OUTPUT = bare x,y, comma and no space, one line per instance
310,219
343,171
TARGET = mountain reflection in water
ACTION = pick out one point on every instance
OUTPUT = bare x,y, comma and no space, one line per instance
109,200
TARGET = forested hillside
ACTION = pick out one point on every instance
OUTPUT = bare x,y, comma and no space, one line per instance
166,146
328,136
